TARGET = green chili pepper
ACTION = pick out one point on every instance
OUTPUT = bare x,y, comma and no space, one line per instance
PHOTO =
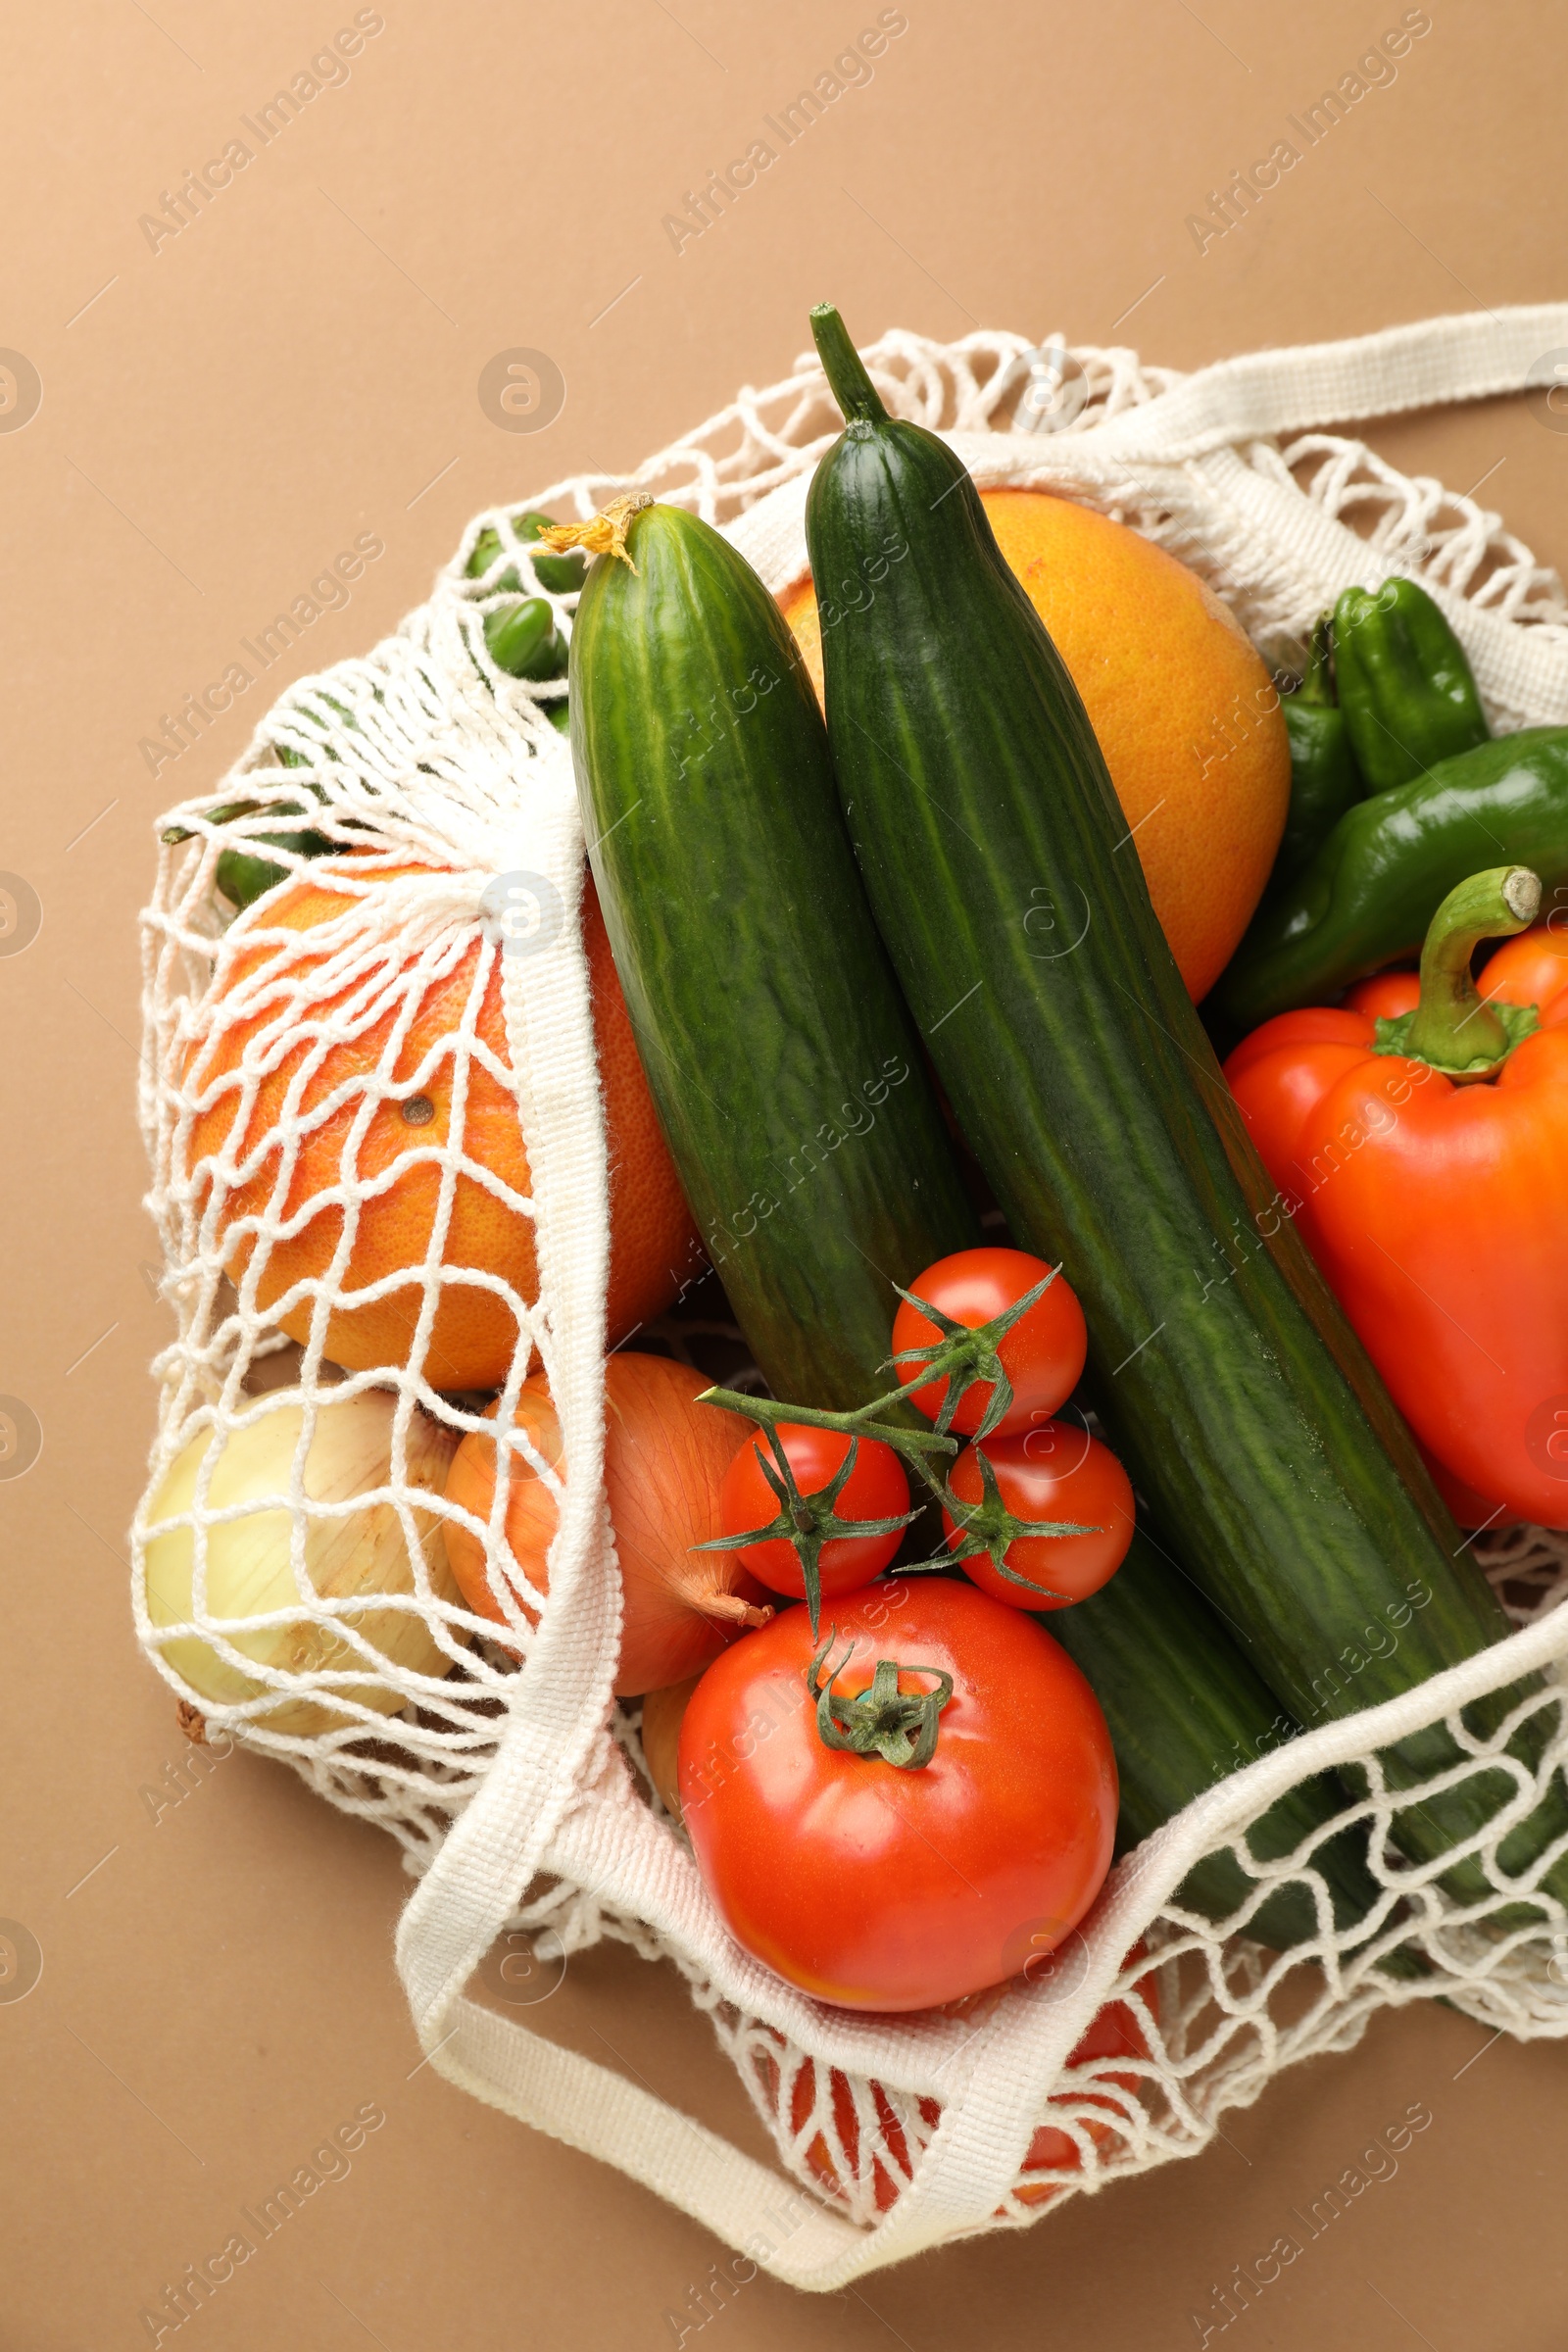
242,875
1405,686
1367,896
522,638
1325,780
563,576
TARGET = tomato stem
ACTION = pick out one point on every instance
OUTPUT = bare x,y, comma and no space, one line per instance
898,1726
855,1424
972,1349
989,1526
961,1356
808,1521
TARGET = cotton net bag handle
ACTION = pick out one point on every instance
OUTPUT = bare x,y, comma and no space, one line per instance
1187,440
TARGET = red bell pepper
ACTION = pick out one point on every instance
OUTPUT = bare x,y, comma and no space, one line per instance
1424,1157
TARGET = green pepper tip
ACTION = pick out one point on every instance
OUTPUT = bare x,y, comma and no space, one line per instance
1405,684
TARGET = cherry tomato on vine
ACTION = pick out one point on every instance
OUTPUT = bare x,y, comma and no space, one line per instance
1057,1471
1041,1354
919,1813
876,1488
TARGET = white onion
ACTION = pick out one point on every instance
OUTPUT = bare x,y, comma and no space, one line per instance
250,1571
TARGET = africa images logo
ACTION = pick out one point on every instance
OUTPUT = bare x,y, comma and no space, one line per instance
852,70
1227,206
328,70
328,592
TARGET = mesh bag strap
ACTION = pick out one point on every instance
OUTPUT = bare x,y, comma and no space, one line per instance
589,2107
1181,451
1466,357
557,1703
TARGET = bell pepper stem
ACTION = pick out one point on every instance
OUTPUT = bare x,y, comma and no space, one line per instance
847,379
1454,1028
1317,685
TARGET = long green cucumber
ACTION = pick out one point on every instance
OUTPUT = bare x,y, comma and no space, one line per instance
780,1055
1186,1709
1005,883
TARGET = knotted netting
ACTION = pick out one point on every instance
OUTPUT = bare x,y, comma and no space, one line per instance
375,1108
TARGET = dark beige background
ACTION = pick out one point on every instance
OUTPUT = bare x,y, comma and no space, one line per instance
219,419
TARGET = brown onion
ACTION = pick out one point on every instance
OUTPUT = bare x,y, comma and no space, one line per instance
664,1459
663,1713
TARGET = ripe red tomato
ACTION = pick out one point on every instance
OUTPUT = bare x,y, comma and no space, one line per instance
1114,2031
876,1488
880,1887
1057,1471
833,2156
1042,1354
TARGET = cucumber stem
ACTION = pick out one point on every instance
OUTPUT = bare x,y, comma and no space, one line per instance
602,534
846,372
1454,1028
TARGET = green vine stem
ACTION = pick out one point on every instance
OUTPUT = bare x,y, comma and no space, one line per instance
917,1442
808,1521
989,1527
913,1444
970,1350
962,1348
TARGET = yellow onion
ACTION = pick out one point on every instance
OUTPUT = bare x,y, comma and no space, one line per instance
250,1570
663,1713
665,1455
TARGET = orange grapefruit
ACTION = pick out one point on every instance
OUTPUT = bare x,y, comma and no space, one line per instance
653,1243
1185,711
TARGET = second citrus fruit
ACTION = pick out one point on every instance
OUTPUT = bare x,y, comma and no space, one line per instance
298,1073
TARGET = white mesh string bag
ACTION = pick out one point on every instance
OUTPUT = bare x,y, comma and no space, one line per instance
454,970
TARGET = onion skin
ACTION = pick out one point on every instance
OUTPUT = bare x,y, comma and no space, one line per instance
664,1712
665,1460
250,1572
